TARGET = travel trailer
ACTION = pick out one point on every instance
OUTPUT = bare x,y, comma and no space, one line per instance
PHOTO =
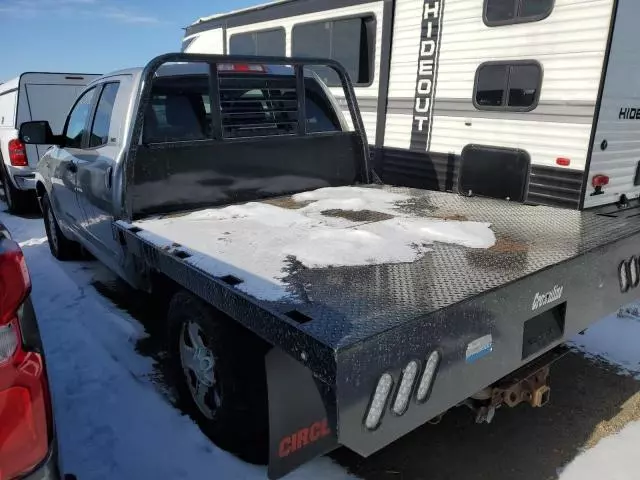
534,101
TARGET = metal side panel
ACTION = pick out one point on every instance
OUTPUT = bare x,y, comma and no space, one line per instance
262,318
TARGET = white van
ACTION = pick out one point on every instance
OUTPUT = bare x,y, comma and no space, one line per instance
42,96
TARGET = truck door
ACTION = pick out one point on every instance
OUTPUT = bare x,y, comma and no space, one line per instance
63,162
95,170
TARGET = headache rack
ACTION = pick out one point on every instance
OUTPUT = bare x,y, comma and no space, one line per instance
274,95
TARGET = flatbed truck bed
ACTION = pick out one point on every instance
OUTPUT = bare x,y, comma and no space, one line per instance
488,311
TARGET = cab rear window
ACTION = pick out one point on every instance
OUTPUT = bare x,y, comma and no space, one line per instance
251,105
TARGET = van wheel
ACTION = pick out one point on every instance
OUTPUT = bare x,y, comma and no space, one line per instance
61,247
17,200
218,368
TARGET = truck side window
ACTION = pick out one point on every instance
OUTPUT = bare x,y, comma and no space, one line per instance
321,116
102,120
78,120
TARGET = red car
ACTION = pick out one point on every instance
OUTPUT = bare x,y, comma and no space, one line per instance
28,447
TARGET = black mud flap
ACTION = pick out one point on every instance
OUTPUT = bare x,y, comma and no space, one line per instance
302,415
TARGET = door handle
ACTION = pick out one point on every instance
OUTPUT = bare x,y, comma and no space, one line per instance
72,167
107,177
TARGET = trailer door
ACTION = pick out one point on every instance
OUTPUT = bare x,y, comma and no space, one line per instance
615,160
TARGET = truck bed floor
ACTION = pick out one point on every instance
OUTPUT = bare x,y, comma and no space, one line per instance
355,297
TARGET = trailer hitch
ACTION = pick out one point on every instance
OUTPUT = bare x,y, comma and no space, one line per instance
530,384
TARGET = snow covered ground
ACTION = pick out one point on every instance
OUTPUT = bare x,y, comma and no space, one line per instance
113,422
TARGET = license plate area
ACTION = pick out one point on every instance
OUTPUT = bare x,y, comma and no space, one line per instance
543,329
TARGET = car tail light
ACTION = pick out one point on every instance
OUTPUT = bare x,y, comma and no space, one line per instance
17,153
24,398
599,181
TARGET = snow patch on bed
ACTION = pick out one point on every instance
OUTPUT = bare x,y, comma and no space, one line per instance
256,242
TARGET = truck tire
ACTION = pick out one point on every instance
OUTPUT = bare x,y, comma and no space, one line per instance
17,200
218,368
61,247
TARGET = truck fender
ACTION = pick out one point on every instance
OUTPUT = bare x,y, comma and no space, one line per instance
302,414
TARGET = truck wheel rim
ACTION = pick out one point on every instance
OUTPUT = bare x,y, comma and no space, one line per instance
198,365
53,234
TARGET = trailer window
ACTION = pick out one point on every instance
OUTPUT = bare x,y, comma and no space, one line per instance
266,42
513,86
508,12
350,41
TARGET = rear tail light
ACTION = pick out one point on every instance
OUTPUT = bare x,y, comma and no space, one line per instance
599,181
404,390
17,153
25,416
426,382
379,401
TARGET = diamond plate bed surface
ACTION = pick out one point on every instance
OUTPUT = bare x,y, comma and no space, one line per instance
348,304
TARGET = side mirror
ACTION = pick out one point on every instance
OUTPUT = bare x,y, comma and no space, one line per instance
37,133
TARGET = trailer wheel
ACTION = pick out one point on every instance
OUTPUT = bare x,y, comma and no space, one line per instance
61,247
220,376
17,200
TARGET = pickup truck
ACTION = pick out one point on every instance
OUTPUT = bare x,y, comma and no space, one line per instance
311,306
